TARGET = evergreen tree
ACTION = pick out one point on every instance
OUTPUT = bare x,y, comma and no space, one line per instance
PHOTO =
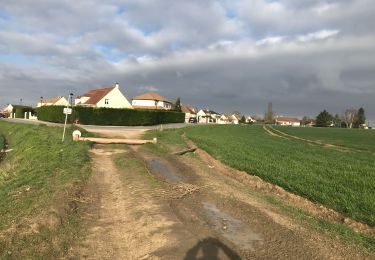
324,119
361,118
243,120
177,105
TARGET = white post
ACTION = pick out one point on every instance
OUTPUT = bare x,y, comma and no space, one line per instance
66,116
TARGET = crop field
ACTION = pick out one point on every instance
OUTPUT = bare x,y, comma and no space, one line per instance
351,138
341,180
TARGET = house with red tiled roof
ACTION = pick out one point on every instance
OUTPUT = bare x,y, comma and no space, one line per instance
289,121
110,97
55,101
151,101
190,112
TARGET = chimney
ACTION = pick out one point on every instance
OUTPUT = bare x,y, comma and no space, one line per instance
117,85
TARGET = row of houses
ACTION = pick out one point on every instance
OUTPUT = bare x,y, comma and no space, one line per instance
112,97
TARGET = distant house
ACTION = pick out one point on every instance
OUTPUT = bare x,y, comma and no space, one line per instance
205,116
55,101
223,119
151,101
110,97
250,120
235,118
288,121
189,112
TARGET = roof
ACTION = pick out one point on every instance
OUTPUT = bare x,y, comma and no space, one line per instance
206,111
188,109
287,119
95,95
151,96
150,107
52,100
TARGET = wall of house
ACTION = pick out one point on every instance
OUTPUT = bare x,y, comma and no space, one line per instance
61,102
151,103
81,100
115,100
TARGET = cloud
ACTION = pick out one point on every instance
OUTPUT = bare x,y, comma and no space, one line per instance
303,56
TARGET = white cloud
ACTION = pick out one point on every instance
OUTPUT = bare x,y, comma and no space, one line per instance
319,35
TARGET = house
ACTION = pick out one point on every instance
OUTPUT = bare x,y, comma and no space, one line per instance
289,121
151,101
189,112
235,118
110,97
250,120
55,101
224,119
206,116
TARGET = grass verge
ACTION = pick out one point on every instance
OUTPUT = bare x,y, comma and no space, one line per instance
39,180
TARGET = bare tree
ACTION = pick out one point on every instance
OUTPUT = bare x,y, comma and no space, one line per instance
349,117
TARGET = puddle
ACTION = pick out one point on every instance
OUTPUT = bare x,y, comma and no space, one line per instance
231,228
157,166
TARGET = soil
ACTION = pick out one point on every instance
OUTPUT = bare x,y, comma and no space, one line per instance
197,211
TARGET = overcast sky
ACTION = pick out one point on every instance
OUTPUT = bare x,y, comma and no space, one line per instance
303,56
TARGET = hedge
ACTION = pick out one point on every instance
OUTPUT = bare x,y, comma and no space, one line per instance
20,111
110,116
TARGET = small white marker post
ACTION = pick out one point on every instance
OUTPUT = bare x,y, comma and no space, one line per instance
67,111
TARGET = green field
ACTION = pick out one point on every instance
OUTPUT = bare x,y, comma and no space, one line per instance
343,181
352,138
38,178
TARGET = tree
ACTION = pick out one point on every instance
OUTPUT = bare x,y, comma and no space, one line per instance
349,117
361,118
177,105
337,120
269,115
324,119
243,120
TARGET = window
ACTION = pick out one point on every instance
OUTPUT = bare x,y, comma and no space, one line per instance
106,101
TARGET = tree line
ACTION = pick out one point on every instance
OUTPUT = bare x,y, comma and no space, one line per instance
351,118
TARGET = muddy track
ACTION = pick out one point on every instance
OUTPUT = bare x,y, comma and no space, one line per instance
185,207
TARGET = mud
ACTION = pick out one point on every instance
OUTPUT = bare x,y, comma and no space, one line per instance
231,228
164,171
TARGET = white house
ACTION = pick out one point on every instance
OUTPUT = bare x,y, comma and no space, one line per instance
250,120
110,97
235,118
189,112
205,116
55,101
223,119
151,101
288,121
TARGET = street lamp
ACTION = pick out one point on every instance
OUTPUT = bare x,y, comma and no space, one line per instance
41,101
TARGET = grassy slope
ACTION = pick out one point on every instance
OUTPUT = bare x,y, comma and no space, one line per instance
353,138
343,181
39,174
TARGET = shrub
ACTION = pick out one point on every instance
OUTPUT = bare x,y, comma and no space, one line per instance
110,116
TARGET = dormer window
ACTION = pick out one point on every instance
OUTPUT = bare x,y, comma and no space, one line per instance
106,101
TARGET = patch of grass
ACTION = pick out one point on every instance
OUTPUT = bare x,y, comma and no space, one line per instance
352,138
167,140
343,181
134,166
40,174
335,230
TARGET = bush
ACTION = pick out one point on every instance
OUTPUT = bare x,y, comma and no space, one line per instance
110,116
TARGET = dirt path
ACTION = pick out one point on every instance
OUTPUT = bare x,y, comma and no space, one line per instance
171,207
